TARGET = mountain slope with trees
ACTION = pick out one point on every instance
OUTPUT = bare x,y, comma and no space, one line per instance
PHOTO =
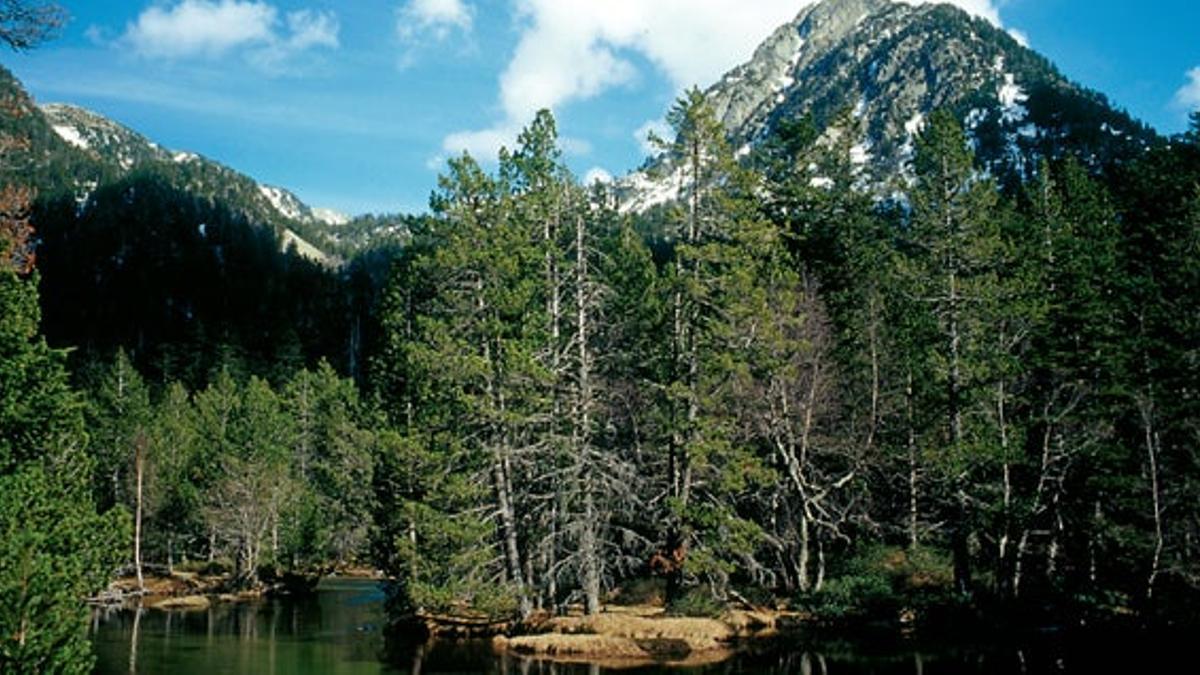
975,400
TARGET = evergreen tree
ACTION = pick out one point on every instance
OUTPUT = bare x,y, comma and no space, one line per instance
718,237
57,548
954,259
120,417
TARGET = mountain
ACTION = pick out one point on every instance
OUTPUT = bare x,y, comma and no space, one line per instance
882,67
124,151
188,265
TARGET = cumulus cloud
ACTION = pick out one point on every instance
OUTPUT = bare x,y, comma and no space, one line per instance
1188,96
217,28
436,17
572,50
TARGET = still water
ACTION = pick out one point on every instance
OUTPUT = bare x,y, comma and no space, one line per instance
339,632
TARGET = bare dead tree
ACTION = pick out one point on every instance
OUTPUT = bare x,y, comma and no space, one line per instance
25,25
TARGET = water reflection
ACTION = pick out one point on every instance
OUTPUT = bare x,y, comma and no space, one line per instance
339,631
336,631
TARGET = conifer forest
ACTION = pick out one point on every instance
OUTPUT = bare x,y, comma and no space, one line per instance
971,391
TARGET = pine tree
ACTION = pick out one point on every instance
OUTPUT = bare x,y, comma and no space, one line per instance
174,495
332,464
120,417
718,234
57,549
953,262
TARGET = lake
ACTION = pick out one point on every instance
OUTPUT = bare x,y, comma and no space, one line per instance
339,631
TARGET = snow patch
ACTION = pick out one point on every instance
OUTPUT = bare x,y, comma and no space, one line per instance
975,118
71,135
181,157
860,108
331,217
915,123
860,154
647,192
821,182
912,129
1012,100
281,202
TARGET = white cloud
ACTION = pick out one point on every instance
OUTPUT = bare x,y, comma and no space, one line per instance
312,29
1020,36
216,28
200,27
481,144
658,128
425,23
1188,96
436,17
572,50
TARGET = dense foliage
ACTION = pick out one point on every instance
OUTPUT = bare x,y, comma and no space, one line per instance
795,377
773,386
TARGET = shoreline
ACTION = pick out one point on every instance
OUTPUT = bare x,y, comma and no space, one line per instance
193,591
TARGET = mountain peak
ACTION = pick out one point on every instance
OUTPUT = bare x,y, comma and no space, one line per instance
890,64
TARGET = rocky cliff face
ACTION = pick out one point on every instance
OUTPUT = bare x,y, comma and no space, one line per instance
886,66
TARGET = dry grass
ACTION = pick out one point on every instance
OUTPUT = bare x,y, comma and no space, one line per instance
187,602
639,635
609,651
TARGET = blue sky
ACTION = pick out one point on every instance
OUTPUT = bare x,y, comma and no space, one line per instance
355,105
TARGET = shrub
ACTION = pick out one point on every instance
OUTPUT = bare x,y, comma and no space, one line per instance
643,591
881,581
697,602
207,568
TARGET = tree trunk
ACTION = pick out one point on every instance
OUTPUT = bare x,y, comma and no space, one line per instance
1006,525
873,338
913,465
1152,453
139,463
589,545
1039,492
803,563
509,524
